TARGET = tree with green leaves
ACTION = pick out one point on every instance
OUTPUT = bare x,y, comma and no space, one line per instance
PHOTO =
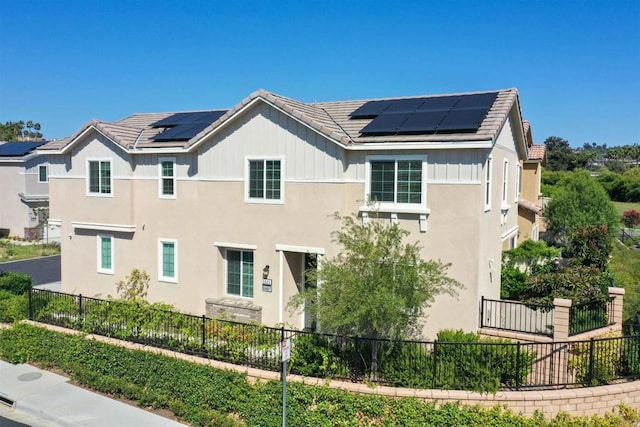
580,202
378,286
14,131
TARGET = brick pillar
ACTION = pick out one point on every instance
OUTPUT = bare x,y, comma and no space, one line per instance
618,303
561,319
559,355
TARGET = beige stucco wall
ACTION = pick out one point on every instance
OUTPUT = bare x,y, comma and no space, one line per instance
20,177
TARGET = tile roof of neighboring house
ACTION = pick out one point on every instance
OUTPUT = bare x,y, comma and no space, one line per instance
537,152
328,118
530,206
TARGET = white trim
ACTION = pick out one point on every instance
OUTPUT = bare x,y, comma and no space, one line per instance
57,222
509,233
235,246
88,177
99,238
394,209
161,178
280,286
459,182
300,249
161,276
119,228
263,200
487,194
420,145
75,140
505,182
518,181
395,206
226,273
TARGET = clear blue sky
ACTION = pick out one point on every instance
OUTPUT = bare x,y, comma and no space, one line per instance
576,64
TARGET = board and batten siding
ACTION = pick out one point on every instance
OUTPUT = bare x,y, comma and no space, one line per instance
265,131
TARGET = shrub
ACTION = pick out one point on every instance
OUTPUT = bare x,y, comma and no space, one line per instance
591,246
16,283
13,307
313,355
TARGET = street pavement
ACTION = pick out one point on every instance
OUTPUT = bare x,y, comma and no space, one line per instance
45,399
42,270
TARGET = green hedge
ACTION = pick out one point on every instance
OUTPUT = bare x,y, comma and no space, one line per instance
16,283
204,396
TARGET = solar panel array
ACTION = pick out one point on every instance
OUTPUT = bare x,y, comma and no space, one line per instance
440,114
18,149
184,126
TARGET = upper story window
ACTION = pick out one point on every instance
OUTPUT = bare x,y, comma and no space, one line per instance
168,260
167,182
105,254
264,181
518,188
239,273
488,170
396,182
43,173
505,182
100,180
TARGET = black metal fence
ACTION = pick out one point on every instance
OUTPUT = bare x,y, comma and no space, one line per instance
590,315
517,316
474,365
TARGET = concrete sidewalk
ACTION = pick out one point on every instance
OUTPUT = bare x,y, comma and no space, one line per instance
44,399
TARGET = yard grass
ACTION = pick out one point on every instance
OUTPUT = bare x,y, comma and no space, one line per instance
626,206
625,266
13,251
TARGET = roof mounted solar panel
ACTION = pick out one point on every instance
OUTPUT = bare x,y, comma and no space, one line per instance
178,119
172,120
18,149
386,124
404,105
439,103
181,132
463,120
370,110
422,122
477,100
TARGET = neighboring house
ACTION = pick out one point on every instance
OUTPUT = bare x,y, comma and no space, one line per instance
226,209
24,190
530,220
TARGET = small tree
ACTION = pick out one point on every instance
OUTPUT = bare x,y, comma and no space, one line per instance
135,288
377,286
631,219
591,246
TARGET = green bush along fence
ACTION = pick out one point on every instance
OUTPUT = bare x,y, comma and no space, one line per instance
456,360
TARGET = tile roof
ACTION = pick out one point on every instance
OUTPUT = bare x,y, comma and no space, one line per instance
537,152
530,206
328,118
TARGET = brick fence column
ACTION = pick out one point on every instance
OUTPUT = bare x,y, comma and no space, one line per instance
561,319
618,303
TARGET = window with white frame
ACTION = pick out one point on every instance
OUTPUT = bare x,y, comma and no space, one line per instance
505,182
487,183
99,179
105,254
43,173
168,260
239,273
264,180
167,180
396,182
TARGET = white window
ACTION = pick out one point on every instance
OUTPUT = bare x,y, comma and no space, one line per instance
105,254
99,178
396,182
239,272
168,260
43,173
264,181
505,182
167,178
487,183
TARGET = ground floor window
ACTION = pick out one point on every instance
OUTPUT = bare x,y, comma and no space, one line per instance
105,254
240,273
168,256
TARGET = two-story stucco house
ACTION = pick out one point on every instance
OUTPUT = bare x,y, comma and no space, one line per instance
225,209
530,221
24,189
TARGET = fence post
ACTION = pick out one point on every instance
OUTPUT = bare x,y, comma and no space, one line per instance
435,363
204,331
517,366
482,311
80,310
30,304
356,360
618,303
591,360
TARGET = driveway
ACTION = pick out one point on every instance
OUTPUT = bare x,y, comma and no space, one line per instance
42,270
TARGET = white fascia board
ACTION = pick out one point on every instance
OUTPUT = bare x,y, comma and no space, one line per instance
510,233
300,249
121,228
235,246
52,221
